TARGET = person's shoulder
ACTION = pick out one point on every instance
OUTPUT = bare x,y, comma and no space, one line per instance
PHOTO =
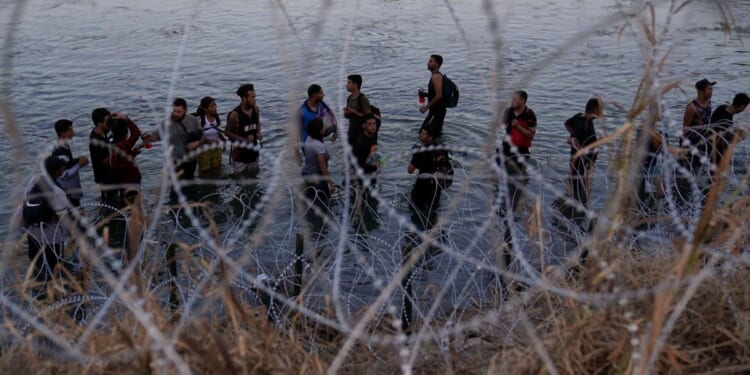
30,183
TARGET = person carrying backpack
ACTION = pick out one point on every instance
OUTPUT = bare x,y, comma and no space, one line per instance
39,217
441,94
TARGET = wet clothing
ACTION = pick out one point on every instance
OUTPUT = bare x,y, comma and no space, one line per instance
436,115
246,126
362,105
70,180
122,158
321,110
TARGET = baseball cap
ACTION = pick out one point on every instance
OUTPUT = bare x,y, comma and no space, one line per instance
702,84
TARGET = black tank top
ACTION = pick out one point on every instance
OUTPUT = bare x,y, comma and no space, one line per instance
248,125
431,94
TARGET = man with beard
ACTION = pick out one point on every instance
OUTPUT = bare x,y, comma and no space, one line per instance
243,125
435,103
185,135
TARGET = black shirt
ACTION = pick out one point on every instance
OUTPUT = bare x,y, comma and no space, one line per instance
362,151
721,119
99,155
583,131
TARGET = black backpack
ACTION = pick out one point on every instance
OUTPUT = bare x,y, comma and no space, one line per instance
37,208
375,111
444,171
450,92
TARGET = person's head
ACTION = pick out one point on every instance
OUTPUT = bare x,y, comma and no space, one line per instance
207,106
427,134
594,107
353,81
315,92
179,109
64,129
315,128
434,63
99,117
518,101
705,88
740,102
370,124
118,127
246,92
54,166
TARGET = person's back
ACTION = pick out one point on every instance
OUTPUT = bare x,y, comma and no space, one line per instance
312,148
122,157
38,216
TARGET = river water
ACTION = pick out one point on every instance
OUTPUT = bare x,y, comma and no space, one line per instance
68,57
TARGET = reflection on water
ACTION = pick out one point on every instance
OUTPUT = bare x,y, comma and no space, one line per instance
129,57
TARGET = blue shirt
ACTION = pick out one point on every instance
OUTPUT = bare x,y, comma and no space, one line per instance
322,110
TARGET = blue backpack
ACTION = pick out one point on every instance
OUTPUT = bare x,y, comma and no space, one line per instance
450,92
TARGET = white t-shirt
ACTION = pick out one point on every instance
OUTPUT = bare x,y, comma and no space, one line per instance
45,233
210,130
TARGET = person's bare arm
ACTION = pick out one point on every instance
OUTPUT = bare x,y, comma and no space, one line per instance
437,83
689,114
232,127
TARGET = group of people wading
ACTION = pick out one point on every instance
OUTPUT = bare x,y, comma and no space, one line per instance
197,141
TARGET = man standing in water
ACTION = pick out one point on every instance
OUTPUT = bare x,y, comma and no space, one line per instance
722,126
357,106
520,128
582,133
70,179
698,114
243,125
696,120
435,103
185,135
98,147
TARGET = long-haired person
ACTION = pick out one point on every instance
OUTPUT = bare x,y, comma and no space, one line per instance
209,162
